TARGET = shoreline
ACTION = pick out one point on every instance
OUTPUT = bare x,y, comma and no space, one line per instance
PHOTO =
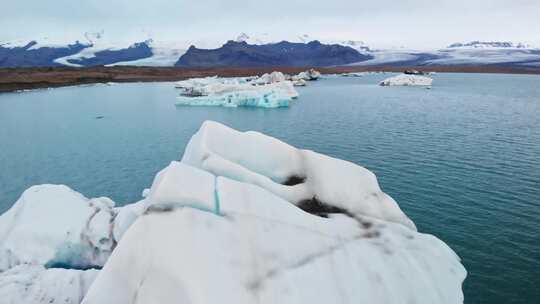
17,79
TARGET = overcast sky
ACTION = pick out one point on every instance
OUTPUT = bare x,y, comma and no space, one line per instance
410,23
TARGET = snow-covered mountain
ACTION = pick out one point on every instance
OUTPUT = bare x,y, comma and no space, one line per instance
284,53
90,49
304,38
97,48
470,53
490,44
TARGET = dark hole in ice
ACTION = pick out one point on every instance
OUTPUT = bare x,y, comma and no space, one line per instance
314,206
294,180
99,117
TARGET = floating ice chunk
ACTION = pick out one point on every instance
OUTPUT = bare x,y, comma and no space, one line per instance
354,74
228,210
34,284
299,82
308,75
54,225
304,178
407,80
270,78
237,99
267,96
269,91
275,252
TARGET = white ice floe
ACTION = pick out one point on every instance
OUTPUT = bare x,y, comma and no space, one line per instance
243,218
407,80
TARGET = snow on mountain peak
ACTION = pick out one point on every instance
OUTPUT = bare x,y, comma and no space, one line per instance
303,38
490,44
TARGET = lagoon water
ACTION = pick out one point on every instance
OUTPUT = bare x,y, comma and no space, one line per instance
461,159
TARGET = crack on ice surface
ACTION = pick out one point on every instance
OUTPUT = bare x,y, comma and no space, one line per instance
216,197
258,283
163,207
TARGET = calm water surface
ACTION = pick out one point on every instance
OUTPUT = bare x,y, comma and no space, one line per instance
462,159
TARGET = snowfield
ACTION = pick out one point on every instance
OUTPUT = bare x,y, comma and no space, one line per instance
242,218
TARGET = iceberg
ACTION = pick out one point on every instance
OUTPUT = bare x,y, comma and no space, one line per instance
407,80
308,75
270,78
271,90
242,218
74,231
235,93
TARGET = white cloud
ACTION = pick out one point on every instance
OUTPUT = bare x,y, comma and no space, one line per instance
413,23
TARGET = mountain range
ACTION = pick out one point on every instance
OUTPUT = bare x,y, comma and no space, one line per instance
250,51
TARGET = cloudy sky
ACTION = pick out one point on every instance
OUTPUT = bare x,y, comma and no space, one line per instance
409,23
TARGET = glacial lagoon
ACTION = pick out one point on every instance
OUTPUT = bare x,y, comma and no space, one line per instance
460,158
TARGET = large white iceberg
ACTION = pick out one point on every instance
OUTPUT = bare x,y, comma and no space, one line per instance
242,218
222,225
407,80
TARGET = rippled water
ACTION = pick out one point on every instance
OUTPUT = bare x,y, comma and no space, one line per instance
462,159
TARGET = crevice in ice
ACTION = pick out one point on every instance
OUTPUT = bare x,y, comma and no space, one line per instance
256,284
72,256
216,197
168,207
63,265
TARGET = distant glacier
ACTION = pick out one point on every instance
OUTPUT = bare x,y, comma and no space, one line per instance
250,51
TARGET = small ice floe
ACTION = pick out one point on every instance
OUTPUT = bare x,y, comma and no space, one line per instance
407,80
308,75
353,74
